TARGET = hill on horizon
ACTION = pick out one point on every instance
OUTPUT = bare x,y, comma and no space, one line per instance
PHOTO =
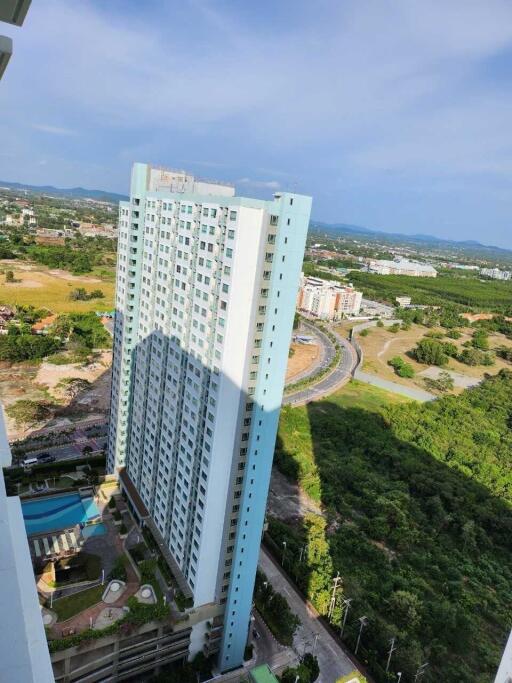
418,240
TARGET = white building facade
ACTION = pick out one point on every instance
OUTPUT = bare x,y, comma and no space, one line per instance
206,287
327,300
402,267
504,674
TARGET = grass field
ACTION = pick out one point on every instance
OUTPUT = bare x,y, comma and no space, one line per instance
294,434
74,604
381,345
44,288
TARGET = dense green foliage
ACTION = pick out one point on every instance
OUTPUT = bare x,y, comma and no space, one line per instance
79,255
418,500
274,609
430,352
82,330
306,672
465,293
15,348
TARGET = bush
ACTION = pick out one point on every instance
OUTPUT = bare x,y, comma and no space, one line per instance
394,328
112,503
122,529
402,369
364,333
118,571
474,357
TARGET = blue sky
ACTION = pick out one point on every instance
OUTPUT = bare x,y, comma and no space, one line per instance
394,115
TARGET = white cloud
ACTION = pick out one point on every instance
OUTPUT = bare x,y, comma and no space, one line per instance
53,130
266,184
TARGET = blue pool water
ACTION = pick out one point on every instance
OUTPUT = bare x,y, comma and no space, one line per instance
58,512
93,530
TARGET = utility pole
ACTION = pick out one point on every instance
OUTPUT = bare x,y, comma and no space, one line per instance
346,602
391,650
302,551
336,582
420,671
364,622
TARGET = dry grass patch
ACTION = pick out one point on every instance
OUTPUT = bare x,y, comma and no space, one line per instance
43,288
381,345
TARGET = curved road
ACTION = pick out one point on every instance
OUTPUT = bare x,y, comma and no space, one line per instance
334,380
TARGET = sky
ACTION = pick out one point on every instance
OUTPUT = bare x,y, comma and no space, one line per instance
393,115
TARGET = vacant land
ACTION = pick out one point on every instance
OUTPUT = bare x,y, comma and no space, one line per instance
304,356
41,287
40,383
381,345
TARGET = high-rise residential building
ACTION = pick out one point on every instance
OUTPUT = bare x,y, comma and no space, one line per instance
24,652
328,300
206,290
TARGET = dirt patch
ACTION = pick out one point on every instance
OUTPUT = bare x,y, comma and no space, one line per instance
287,501
304,356
51,375
24,283
66,275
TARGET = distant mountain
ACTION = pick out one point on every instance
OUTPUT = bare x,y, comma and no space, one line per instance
419,240
72,192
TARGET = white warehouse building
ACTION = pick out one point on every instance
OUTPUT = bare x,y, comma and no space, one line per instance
402,267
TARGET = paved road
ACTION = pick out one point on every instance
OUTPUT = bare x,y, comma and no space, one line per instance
326,351
333,381
332,659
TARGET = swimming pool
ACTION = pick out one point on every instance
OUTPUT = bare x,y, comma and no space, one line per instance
58,512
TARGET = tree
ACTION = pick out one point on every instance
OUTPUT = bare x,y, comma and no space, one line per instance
444,382
430,352
27,412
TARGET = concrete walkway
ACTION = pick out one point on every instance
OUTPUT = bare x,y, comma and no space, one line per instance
416,394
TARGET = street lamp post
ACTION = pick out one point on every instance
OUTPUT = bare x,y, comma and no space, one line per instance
399,674
364,622
284,552
346,602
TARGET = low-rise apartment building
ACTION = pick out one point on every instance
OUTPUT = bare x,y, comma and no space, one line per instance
328,300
